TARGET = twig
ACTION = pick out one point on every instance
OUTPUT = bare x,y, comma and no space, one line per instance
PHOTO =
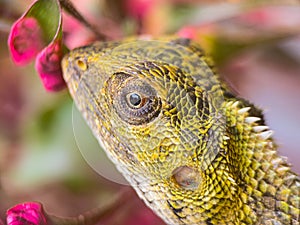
94,216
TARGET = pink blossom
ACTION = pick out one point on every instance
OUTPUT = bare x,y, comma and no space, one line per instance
25,40
31,33
49,68
30,213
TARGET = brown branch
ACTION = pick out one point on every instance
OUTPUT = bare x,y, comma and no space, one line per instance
96,215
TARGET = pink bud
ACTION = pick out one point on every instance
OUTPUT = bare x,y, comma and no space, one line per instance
30,213
25,40
49,68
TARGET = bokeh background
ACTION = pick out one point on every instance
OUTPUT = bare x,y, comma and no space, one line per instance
40,160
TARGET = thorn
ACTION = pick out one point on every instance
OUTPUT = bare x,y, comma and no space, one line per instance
266,134
292,177
276,162
235,104
243,110
283,169
272,152
260,128
270,144
226,138
251,119
262,144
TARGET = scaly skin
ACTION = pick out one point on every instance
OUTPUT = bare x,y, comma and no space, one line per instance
194,152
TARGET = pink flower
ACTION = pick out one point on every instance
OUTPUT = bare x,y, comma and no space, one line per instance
25,40
30,213
49,68
39,36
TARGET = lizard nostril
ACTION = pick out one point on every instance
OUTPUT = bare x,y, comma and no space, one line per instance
81,64
187,177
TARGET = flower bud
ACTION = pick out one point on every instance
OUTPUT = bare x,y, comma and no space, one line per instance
30,213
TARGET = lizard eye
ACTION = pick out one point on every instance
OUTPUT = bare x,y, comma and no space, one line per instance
134,100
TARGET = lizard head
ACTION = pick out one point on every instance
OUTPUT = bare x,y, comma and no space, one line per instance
156,108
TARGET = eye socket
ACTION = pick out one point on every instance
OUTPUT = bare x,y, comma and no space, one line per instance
134,100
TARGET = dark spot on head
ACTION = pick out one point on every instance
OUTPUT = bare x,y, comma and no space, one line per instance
181,41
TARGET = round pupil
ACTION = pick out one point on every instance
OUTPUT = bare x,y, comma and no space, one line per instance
135,99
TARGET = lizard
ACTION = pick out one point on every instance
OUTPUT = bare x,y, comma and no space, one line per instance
194,151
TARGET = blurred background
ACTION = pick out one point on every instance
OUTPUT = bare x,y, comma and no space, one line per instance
256,45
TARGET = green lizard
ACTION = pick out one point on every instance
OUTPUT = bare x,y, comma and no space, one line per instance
192,150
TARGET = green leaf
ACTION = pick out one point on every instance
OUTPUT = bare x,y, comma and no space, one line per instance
48,14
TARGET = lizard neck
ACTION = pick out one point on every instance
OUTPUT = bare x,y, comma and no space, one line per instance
268,189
